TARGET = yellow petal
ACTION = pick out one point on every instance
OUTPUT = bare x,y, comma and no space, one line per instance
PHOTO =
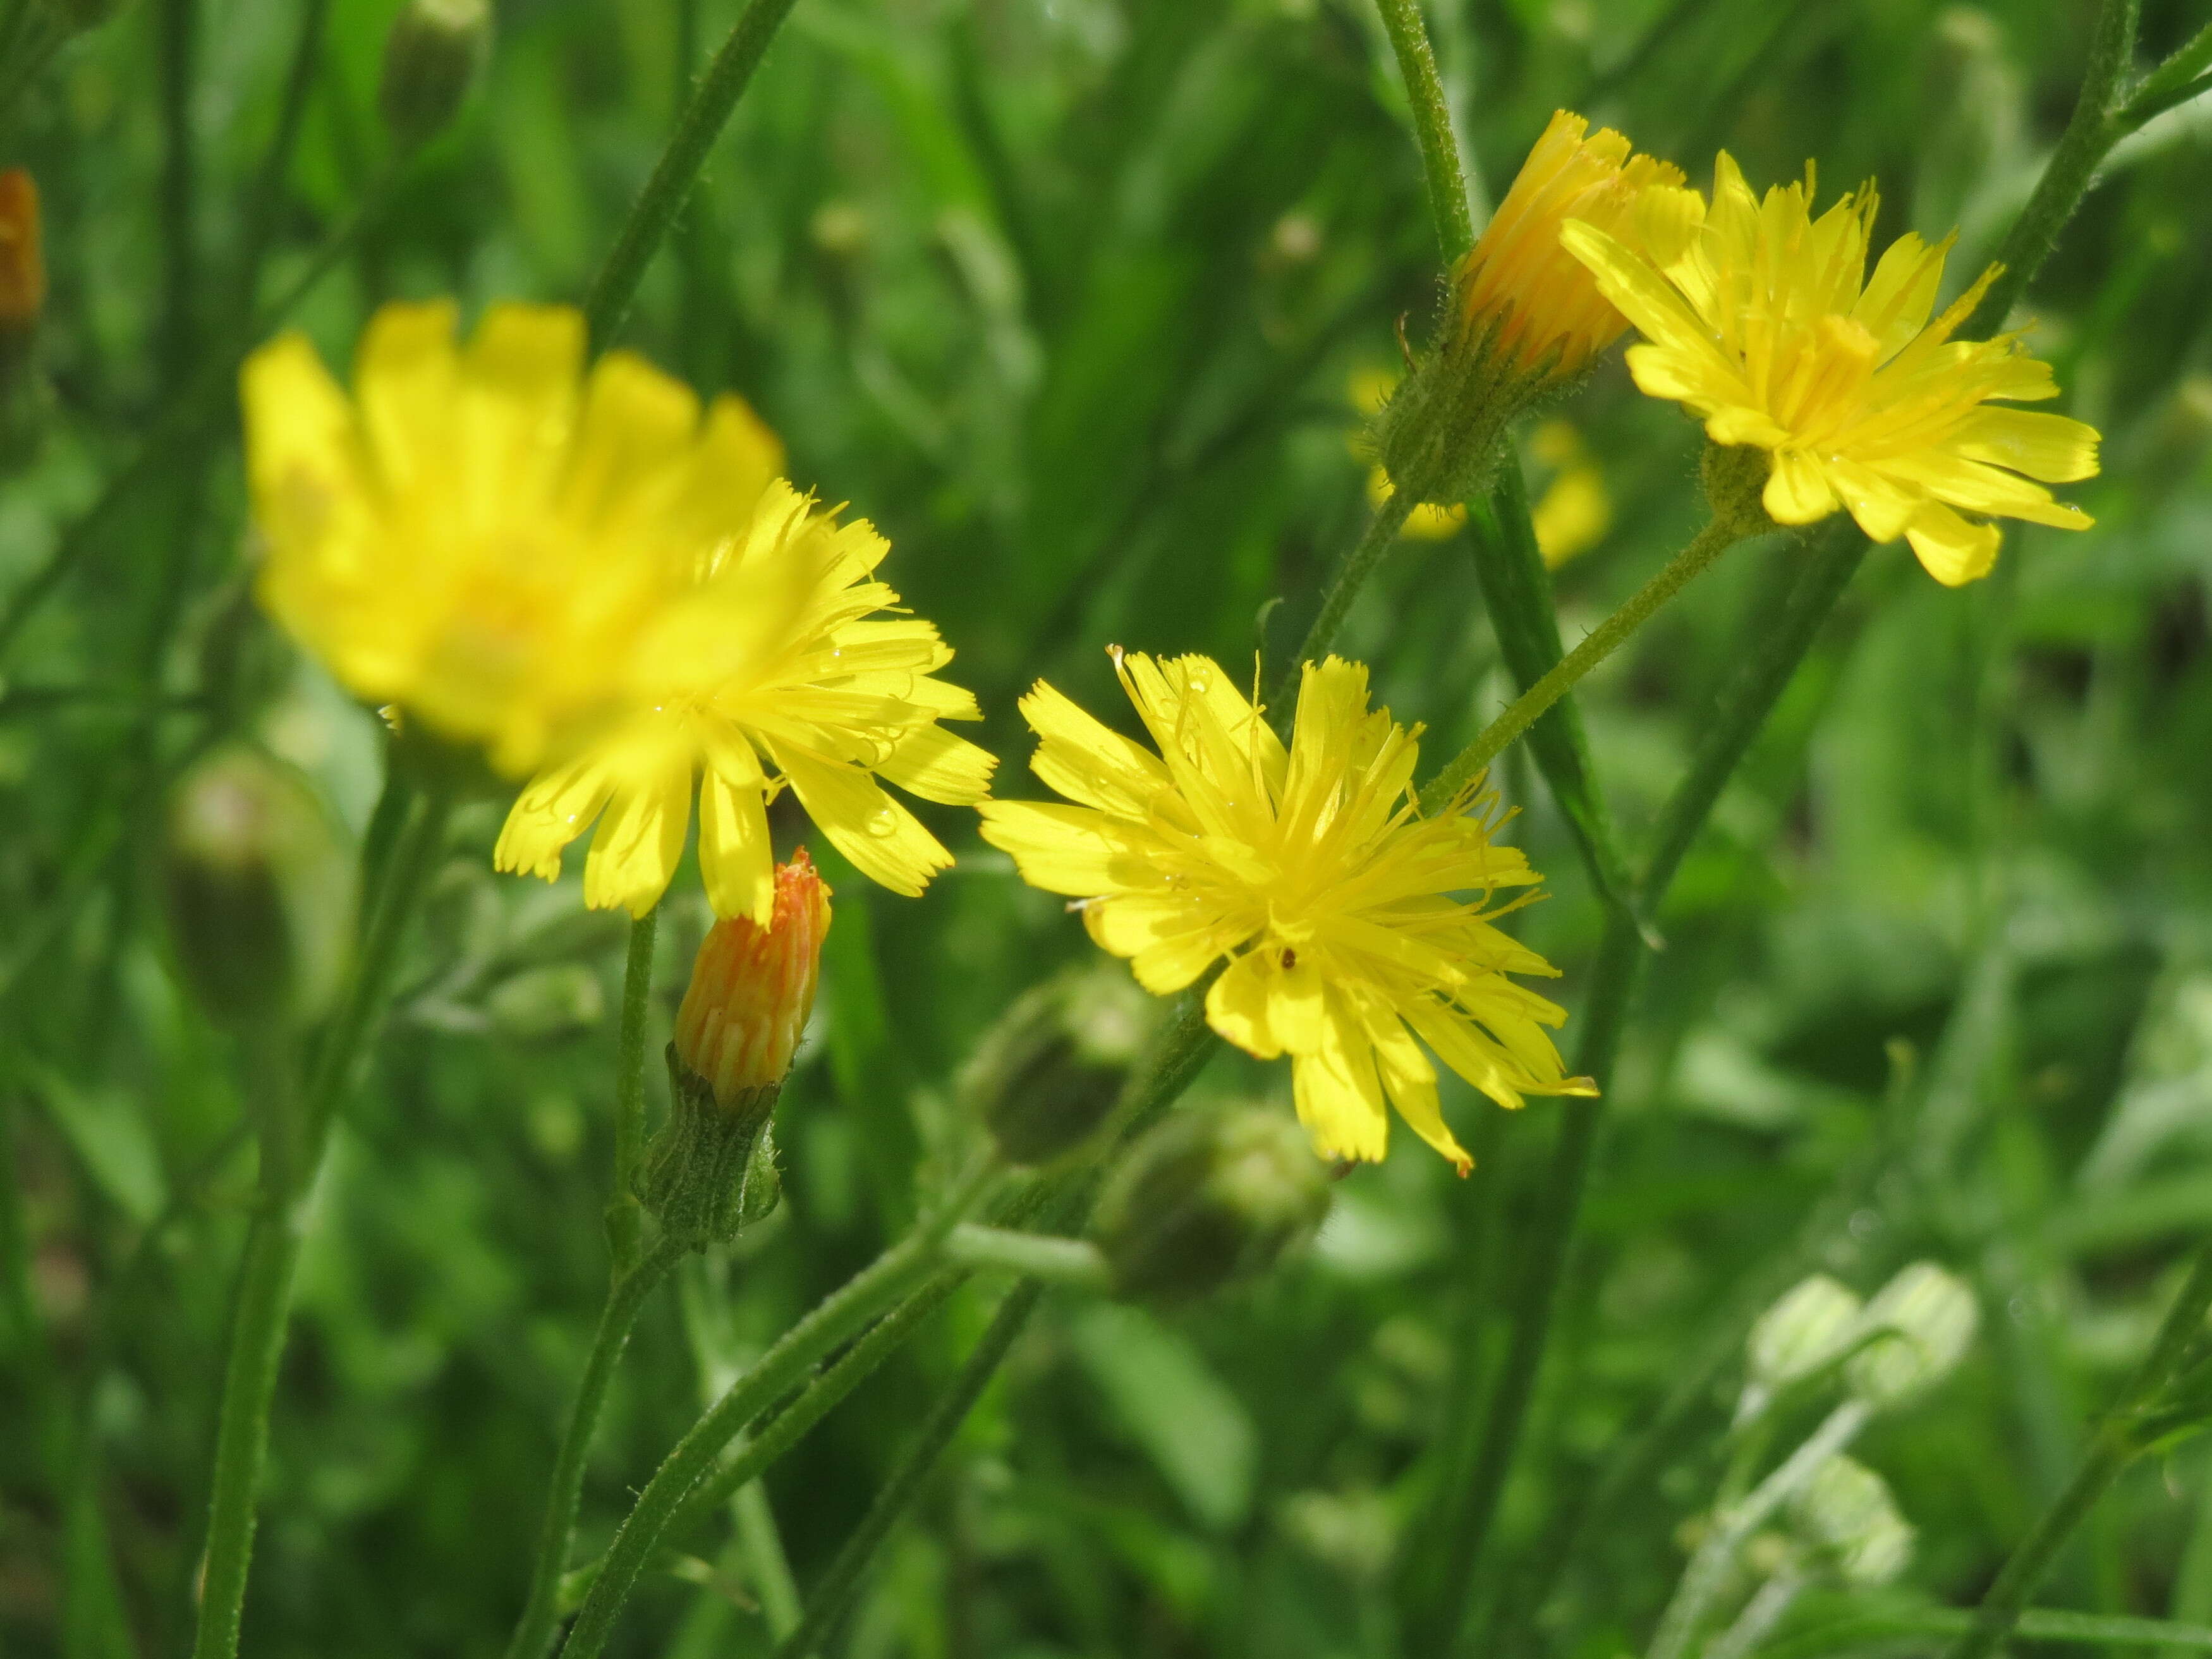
636,431
1411,1082
936,766
2047,446
1339,1099
555,808
1085,760
519,399
1061,849
634,852
885,842
406,376
736,857
1797,490
1236,1006
1954,550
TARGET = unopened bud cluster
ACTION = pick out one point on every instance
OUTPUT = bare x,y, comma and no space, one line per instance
1910,1335
1845,1512
1210,1199
711,1171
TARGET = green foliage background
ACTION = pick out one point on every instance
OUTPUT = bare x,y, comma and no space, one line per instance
1066,295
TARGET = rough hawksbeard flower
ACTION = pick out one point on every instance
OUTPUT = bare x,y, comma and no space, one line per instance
773,659
480,535
753,988
1762,321
1522,317
1351,923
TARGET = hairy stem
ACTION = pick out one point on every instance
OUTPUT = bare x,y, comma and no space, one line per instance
663,198
293,1135
1336,603
898,1270
626,1294
834,1595
1432,127
1602,641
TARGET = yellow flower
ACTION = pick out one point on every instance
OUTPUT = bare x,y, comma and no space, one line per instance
774,658
1542,312
1346,916
482,535
1522,317
1762,321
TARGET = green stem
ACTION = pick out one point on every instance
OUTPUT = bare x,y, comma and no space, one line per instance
1432,127
1709,1570
827,1607
765,1561
663,195
2094,129
1343,588
1072,1262
2118,1442
177,24
626,1294
622,1209
1715,538
898,1270
294,1132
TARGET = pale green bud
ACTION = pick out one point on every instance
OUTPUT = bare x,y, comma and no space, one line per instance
1811,1326
1846,1512
1929,1317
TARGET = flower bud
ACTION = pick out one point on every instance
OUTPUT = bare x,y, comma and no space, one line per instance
1208,1199
1048,1073
431,58
22,266
1847,1514
1521,318
711,1170
259,894
1812,1325
1930,1317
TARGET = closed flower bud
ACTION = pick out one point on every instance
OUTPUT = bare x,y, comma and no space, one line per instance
1929,1317
1209,1199
712,1169
1812,1325
259,894
1846,1513
431,58
1048,1073
23,266
1522,317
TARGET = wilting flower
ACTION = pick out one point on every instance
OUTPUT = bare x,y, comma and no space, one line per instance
1351,922
753,988
481,536
775,659
1524,317
1762,321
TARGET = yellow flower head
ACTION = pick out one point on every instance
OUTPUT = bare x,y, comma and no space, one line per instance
773,659
1346,916
1761,320
481,535
1542,311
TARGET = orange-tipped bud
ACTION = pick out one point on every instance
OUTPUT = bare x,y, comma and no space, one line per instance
753,988
22,270
1522,320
